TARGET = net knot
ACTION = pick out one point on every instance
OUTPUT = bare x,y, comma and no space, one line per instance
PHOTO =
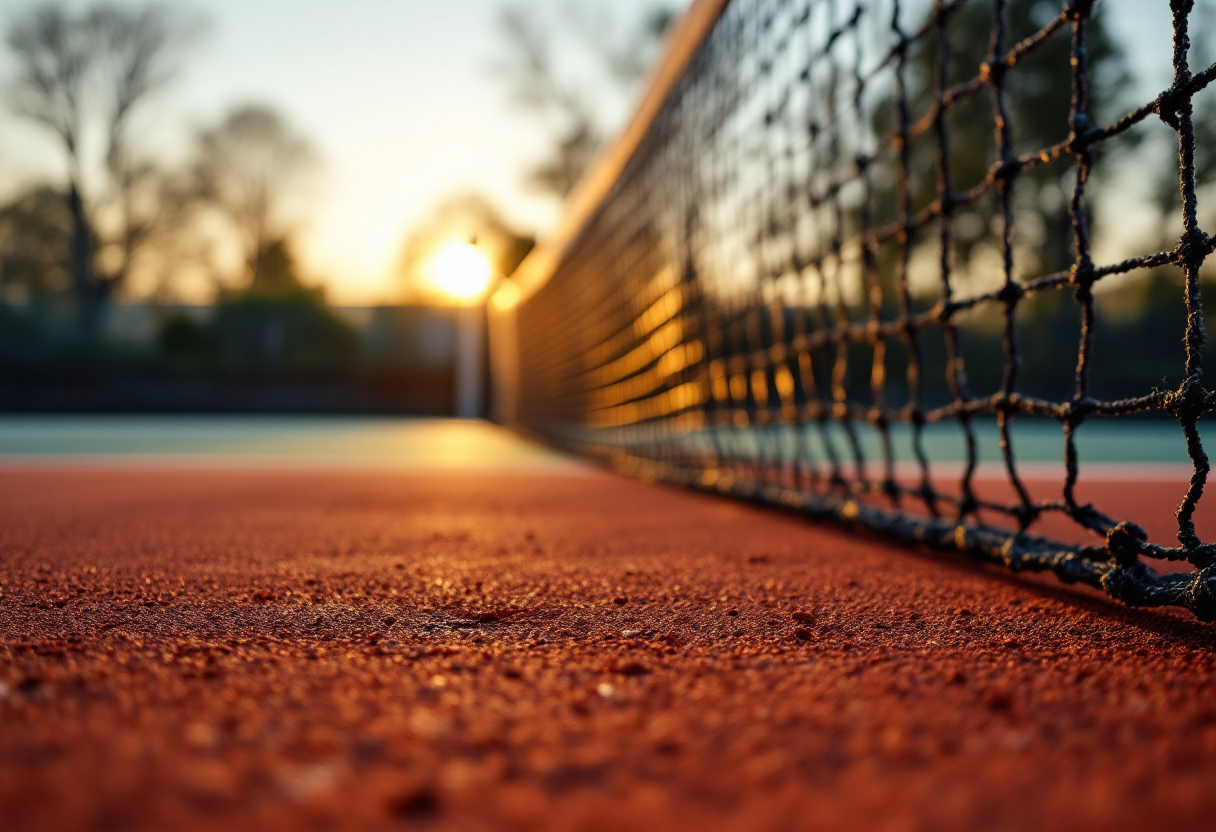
1128,584
1170,106
1011,292
1200,594
1081,277
1193,247
1124,541
1082,136
1026,514
1003,172
1188,402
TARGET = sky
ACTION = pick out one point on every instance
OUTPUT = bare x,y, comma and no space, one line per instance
399,97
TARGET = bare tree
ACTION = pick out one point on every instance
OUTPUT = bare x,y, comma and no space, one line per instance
250,167
569,109
83,75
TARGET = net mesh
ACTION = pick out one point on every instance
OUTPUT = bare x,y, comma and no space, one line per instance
816,282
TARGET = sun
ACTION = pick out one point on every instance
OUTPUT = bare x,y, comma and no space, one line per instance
461,271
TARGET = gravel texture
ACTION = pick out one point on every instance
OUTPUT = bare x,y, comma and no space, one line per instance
219,650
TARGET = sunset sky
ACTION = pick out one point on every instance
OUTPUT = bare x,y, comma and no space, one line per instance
399,97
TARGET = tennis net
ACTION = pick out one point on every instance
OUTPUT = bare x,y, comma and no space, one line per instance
838,231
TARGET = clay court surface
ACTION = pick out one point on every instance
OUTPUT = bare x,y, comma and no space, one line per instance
550,647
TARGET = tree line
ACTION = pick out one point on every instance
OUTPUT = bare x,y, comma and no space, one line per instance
86,77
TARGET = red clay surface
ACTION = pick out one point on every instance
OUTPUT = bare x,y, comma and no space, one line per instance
467,651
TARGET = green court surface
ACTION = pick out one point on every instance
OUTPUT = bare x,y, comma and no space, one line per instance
271,442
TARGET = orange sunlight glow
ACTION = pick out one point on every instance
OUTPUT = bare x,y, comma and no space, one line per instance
507,296
461,271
